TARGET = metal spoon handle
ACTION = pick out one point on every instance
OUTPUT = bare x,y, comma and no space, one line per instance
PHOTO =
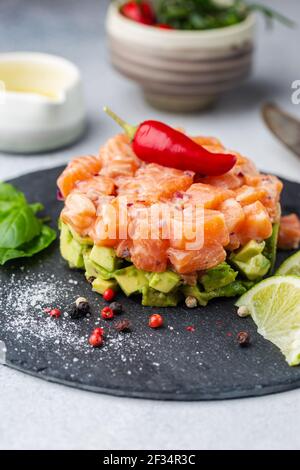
283,125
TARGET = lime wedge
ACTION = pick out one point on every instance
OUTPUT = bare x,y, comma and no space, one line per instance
290,266
274,305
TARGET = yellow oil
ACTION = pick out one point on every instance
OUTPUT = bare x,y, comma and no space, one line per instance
46,94
38,78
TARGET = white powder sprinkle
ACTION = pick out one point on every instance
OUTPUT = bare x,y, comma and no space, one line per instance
23,299
25,302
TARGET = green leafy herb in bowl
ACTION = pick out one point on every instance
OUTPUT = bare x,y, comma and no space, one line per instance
195,14
22,233
209,14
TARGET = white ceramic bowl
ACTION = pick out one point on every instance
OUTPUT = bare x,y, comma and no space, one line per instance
41,102
180,70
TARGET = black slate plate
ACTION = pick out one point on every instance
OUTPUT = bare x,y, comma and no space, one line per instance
171,363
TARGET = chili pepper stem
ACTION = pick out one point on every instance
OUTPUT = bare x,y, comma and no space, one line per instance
130,130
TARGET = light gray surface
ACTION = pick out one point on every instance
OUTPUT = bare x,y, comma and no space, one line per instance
39,415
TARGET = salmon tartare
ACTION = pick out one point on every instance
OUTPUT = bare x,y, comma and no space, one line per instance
230,246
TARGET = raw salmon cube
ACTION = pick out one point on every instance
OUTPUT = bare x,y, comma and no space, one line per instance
233,213
186,262
79,169
209,196
289,233
257,224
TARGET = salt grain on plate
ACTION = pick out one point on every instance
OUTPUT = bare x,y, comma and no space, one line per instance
23,299
24,304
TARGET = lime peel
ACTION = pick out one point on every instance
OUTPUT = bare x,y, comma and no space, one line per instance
274,305
291,266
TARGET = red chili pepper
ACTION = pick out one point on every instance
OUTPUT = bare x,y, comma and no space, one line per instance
141,12
163,26
156,142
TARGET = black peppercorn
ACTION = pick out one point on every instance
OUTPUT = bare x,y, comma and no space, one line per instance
123,325
116,307
243,338
80,308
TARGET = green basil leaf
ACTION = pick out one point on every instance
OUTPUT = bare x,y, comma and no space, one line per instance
6,206
39,243
10,193
10,198
36,207
18,226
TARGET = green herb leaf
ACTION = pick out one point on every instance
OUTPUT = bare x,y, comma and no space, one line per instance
10,193
39,243
37,207
18,226
22,234
271,14
208,14
6,206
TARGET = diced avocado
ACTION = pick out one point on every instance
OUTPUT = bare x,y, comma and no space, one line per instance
250,261
247,284
94,270
75,255
100,285
154,298
104,257
270,250
101,272
79,239
148,275
164,282
234,289
131,280
65,234
65,241
195,291
90,269
255,268
217,277
251,249
70,249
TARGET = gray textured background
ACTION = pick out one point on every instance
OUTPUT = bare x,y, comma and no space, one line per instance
36,414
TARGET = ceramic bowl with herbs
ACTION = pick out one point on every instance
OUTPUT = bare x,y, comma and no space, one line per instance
183,54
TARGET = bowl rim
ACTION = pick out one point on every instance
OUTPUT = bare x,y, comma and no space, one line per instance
236,29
